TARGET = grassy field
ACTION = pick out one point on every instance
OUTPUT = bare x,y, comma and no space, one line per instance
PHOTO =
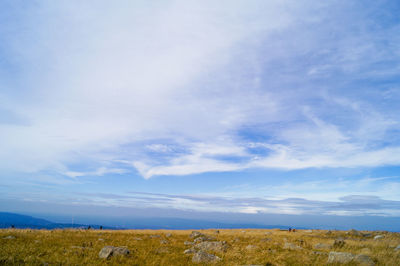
157,247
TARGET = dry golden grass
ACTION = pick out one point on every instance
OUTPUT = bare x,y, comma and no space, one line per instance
81,247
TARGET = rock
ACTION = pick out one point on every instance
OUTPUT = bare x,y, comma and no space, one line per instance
397,248
202,256
365,251
162,250
106,252
168,235
322,246
203,238
155,236
378,237
121,251
186,243
109,251
251,247
355,232
318,253
340,257
339,243
267,233
137,238
364,260
101,239
9,237
163,241
366,234
216,246
189,251
307,231
291,246
265,240
195,234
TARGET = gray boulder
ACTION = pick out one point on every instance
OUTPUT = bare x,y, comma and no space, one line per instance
187,243
397,248
215,246
9,237
203,257
340,257
109,251
378,237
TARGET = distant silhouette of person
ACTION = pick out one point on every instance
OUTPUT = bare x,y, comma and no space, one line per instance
294,230
290,229
101,227
89,227
12,226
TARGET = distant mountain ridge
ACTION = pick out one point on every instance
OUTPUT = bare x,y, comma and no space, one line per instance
8,219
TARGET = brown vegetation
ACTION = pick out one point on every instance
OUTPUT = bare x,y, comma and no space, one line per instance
166,247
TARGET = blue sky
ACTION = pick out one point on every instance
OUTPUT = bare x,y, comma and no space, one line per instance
252,107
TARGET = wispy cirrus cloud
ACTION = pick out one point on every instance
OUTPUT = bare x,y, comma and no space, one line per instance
182,88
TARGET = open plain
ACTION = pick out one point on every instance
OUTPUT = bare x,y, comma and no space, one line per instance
186,247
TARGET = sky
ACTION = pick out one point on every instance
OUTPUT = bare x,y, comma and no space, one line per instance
242,107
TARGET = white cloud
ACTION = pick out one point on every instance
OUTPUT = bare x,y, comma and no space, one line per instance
109,83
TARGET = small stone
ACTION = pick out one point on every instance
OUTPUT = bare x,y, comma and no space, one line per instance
251,247
189,251
355,232
202,256
365,251
322,246
101,239
318,253
9,237
203,238
397,248
168,235
163,241
340,257
291,246
339,243
137,238
267,233
195,234
186,243
108,251
162,250
378,237
307,231
364,260
154,236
